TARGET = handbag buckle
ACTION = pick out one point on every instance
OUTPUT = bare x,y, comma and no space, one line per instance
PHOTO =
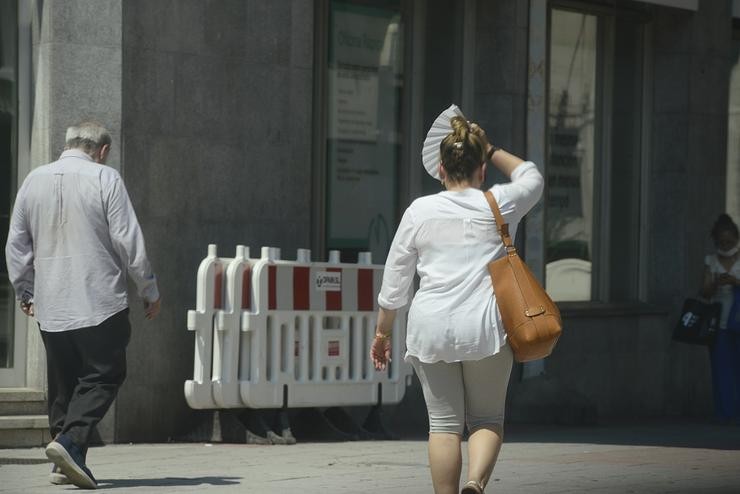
534,312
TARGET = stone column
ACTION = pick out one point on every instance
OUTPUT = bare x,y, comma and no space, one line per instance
76,75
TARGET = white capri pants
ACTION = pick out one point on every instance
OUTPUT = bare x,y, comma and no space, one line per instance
471,391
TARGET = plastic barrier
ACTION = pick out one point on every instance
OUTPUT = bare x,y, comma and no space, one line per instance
290,333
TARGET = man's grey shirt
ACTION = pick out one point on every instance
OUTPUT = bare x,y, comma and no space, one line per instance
73,238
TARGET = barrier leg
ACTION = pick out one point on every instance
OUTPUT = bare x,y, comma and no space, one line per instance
311,424
375,427
373,424
254,425
282,426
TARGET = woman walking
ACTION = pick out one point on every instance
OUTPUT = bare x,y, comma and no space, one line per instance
455,338
721,278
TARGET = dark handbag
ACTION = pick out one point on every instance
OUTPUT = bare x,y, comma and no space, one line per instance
531,319
699,322
733,318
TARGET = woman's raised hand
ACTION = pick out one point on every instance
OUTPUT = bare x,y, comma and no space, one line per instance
478,130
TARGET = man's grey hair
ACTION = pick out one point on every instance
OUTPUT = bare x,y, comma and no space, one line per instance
87,136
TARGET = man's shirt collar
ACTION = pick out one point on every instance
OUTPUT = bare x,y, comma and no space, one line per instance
75,153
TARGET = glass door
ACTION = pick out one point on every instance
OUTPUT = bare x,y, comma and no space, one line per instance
365,84
12,343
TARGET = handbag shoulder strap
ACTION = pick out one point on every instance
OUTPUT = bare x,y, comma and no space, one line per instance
503,227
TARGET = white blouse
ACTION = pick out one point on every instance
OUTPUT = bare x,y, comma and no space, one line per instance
724,294
449,238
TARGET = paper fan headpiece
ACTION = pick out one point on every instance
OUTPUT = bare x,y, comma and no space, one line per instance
440,129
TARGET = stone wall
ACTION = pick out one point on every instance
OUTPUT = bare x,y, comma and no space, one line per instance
619,363
691,53
217,106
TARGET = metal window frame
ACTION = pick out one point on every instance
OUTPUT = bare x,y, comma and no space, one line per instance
645,161
602,211
319,131
411,187
410,123
536,139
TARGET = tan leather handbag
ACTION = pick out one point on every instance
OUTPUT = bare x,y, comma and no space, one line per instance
531,319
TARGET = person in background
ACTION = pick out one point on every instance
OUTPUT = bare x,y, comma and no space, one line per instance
73,239
721,276
455,338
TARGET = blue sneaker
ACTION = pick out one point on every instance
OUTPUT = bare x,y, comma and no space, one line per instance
69,458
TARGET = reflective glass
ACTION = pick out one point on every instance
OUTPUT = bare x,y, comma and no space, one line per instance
8,122
365,81
571,155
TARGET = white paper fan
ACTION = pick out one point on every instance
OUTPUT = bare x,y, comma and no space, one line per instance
440,129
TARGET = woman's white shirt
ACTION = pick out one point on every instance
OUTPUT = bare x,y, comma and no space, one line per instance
449,238
724,294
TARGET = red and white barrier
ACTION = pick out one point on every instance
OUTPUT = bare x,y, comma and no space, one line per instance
209,300
293,333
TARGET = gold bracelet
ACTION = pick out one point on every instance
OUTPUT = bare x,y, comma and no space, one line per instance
382,336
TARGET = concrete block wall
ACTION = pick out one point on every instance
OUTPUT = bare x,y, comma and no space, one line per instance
691,53
217,105
618,367
77,72
500,89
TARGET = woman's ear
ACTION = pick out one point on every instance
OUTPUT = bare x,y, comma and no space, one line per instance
442,173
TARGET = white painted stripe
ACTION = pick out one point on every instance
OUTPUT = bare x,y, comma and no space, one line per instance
284,293
317,299
349,289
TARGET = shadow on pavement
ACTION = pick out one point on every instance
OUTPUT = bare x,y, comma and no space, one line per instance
699,435
168,482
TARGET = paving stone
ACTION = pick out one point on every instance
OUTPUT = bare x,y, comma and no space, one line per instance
643,458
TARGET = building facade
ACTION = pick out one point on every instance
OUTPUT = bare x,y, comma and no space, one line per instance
299,124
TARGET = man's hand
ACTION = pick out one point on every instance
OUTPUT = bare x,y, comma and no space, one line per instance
151,309
27,308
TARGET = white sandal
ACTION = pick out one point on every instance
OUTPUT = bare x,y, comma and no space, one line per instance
472,487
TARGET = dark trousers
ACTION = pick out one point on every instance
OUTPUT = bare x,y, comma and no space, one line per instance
85,368
725,360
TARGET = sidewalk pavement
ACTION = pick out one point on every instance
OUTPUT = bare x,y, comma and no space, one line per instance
646,458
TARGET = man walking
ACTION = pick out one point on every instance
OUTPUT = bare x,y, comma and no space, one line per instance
73,239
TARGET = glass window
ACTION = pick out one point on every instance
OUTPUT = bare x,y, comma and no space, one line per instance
594,156
8,123
572,152
365,79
